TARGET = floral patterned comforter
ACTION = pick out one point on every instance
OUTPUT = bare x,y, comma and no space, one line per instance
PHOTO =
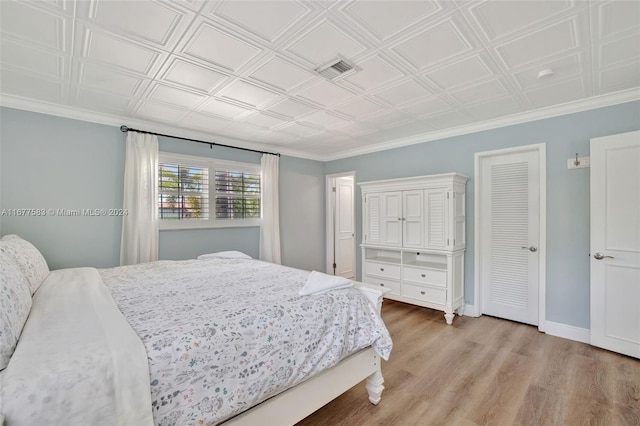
222,335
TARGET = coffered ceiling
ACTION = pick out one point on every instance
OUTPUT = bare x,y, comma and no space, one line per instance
243,72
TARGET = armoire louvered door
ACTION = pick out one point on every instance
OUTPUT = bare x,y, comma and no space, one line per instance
383,213
509,219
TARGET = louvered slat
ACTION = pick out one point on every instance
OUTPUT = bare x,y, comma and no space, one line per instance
373,204
509,227
435,231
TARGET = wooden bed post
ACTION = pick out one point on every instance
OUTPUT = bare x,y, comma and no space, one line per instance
375,381
374,385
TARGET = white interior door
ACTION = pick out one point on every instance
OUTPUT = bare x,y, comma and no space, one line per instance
344,229
509,234
615,243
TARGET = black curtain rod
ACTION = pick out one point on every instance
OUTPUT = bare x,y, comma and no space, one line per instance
125,129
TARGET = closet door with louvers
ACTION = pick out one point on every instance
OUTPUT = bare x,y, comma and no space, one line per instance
509,236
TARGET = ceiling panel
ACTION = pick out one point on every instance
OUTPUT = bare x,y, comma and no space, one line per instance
325,94
30,57
175,96
402,93
433,45
88,98
479,92
541,44
375,72
428,107
499,18
193,76
324,42
26,85
27,22
245,70
106,48
206,122
562,68
247,93
557,94
281,74
621,50
161,113
617,17
163,22
218,47
620,78
456,74
265,19
291,109
224,109
385,19
359,108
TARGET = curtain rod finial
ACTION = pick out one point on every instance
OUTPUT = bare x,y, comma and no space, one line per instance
124,128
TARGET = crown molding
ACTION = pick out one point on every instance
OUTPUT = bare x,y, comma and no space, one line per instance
57,110
17,102
525,117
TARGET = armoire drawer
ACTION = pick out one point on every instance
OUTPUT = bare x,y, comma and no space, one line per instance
425,276
392,285
428,294
382,270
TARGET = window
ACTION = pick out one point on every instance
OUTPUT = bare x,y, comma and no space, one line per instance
183,191
198,192
237,194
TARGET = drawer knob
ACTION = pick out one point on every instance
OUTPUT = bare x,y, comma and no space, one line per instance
422,293
423,275
382,269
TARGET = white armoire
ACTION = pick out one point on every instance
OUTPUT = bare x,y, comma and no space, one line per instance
414,239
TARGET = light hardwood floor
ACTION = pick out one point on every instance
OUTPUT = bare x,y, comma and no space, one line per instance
488,371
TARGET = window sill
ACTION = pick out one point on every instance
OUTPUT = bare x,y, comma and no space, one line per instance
184,226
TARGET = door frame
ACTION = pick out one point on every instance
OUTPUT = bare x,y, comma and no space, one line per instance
541,149
329,234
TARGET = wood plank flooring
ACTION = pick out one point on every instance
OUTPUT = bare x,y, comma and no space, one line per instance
488,371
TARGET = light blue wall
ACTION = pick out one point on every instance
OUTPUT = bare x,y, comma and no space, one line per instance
567,257
302,221
52,162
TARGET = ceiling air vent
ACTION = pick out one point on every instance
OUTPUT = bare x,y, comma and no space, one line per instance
336,68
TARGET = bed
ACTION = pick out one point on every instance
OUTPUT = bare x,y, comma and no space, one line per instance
201,341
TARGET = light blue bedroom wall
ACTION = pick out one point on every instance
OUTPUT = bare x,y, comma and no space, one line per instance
567,260
55,163
302,223
52,162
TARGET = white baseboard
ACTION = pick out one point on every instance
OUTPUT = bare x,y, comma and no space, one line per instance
552,328
568,332
470,311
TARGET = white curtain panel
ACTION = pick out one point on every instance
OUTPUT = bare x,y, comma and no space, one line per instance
139,241
270,228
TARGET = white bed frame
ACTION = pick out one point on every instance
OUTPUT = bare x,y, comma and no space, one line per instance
293,405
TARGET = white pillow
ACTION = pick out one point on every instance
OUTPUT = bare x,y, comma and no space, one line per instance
232,254
15,304
27,257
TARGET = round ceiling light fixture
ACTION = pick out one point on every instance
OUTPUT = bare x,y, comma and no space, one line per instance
545,73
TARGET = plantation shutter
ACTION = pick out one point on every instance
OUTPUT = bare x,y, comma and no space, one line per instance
237,194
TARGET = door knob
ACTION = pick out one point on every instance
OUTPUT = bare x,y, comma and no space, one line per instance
532,249
600,256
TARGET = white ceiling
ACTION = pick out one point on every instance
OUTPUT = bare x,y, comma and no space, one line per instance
242,72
